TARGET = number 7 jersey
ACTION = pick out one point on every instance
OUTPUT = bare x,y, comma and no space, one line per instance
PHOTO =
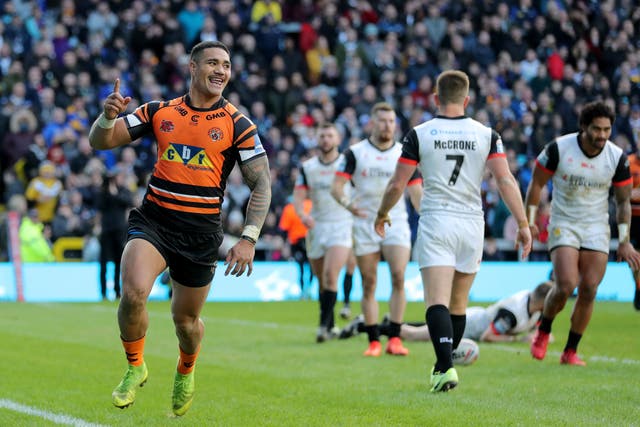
451,154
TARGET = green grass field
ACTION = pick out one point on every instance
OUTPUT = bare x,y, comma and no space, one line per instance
260,366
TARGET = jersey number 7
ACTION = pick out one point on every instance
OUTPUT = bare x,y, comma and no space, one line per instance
459,158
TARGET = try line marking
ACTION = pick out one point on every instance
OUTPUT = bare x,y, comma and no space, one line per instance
50,416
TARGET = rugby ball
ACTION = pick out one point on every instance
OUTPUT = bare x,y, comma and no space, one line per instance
466,353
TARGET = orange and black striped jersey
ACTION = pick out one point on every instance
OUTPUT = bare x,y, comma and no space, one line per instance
197,149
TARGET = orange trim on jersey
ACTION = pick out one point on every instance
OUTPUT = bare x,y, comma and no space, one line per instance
249,129
407,161
184,197
183,208
627,181
538,164
300,187
343,174
496,155
414,182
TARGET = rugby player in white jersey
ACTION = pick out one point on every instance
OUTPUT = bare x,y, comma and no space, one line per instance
583,167
329,237
507,320
369,164
451,152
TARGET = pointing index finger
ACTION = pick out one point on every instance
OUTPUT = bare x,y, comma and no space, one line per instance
116,86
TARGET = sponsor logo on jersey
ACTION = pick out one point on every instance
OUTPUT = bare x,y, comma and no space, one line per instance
215,134
187,155
167,126
215,115
181,110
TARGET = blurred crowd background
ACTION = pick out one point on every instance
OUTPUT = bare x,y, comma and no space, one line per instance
296,64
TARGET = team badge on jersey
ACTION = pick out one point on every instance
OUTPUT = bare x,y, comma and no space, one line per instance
187,155
166,126
499,146
215,134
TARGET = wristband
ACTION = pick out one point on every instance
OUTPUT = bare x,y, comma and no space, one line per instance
252,232
523,224
532,210
623,233
248,239
105,123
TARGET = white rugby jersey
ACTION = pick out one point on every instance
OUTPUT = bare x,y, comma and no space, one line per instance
451,154
369,169
316,177
511,315
581,183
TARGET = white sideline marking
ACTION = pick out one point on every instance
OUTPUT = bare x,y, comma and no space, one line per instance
56,418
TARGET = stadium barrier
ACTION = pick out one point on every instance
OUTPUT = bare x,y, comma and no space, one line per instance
278,281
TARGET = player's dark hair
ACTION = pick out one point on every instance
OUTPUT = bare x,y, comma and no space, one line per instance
197,49
541,291
593,110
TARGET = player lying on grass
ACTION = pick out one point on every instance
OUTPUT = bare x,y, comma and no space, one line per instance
510,319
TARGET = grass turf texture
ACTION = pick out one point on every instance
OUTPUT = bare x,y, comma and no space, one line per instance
260,365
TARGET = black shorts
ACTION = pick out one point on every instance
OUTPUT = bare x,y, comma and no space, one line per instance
191,257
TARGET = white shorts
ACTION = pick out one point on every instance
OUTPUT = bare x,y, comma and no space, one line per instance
444,240
477,323
580,236
327,234
366,240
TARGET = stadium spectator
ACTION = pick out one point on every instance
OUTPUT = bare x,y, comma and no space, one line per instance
33,234
147,41
44,190
291,223
451,230
368,165
579,225
116,199
178,223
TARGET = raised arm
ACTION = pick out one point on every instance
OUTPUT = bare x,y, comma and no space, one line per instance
108,131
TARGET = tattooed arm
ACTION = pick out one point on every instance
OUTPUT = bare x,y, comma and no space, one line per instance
257,176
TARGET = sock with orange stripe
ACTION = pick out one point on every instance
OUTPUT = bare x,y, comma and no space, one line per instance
187,362
134,351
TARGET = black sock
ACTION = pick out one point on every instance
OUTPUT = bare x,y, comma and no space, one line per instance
458,322
373,332
385,329
347,284
394,329
573,341
327,303
323,307
545,325
331,297
441,331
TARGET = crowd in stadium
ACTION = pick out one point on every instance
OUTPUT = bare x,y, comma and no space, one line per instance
297,64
